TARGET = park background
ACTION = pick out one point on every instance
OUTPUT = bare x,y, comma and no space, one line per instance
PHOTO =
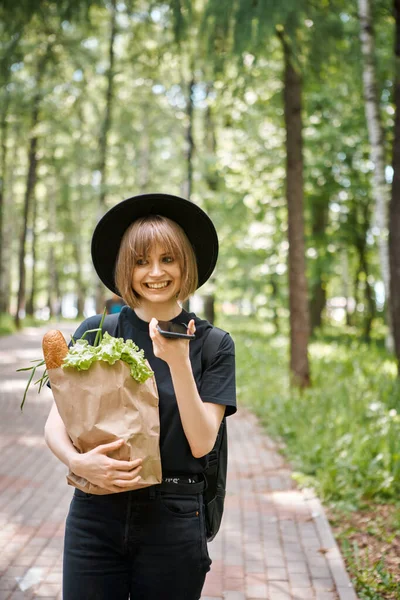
280,119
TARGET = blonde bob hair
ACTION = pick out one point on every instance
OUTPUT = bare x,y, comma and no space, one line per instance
137,241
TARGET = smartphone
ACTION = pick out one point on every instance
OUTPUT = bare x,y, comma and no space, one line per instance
174,330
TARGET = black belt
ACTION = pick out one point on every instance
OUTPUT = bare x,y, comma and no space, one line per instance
182,484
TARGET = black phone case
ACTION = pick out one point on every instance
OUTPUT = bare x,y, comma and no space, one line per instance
173,335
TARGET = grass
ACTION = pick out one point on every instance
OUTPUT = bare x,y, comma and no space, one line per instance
342,436
365,537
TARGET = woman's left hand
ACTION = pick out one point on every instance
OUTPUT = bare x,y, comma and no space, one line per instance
172,351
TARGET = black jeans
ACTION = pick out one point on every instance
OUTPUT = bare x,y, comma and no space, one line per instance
143,545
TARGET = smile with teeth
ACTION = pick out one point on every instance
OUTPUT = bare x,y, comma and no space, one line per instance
157,286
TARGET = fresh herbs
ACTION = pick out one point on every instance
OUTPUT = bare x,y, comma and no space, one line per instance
42,381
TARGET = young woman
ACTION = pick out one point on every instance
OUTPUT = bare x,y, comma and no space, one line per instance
153,250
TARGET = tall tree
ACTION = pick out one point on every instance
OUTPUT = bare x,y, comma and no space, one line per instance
298,294
251,25
11,53
3,164
31,175
318,285
212,180
376,137
31,302
394,209
104,136
188,183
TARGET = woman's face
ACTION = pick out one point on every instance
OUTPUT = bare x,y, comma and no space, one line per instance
157,277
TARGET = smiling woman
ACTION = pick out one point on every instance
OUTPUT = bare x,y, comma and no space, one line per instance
154,251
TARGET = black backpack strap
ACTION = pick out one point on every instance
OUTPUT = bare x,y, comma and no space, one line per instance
110,324
220,451
211,345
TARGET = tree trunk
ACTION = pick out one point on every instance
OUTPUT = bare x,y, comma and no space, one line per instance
275,303
51,260
209,307
51,293
320,212
298,299
30,305
10,229
3,164
9,57
188,185
394,213
30,183
30,187
103,142
368,293
81,287
376,138
346,285
317,303
145,152
210,143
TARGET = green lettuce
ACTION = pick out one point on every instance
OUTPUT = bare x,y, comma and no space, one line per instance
82,355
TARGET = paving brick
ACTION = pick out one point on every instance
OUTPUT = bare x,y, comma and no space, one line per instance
47,590
297,566
325,595
346,593
303,593
277,574
278,587
7,584
235,584
323,584
274,595
256,585
300,580
18,595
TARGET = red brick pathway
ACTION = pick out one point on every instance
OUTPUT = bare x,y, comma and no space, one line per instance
275,542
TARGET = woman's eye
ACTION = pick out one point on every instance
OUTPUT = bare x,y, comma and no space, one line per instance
140,261
168,259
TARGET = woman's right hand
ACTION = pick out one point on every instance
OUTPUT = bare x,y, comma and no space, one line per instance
108,473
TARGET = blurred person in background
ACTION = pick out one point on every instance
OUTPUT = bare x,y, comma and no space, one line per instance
114,304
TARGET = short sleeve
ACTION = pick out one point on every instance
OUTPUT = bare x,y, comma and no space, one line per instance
90,323
218,383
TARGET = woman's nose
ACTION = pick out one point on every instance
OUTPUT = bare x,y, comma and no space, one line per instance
155,268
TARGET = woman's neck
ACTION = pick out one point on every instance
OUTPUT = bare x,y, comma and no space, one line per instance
161,312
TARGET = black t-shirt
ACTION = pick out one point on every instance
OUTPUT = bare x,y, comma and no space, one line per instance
216,384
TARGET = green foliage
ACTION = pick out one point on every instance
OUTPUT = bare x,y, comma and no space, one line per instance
7,326
342,434
239,176
371,580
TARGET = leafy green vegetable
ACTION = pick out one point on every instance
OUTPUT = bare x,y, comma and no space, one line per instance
82,355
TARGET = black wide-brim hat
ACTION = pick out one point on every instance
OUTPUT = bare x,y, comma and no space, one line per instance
109,231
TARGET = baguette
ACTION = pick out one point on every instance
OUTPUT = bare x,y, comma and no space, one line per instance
55,348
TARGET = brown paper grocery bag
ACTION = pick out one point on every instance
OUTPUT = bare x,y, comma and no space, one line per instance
103,404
